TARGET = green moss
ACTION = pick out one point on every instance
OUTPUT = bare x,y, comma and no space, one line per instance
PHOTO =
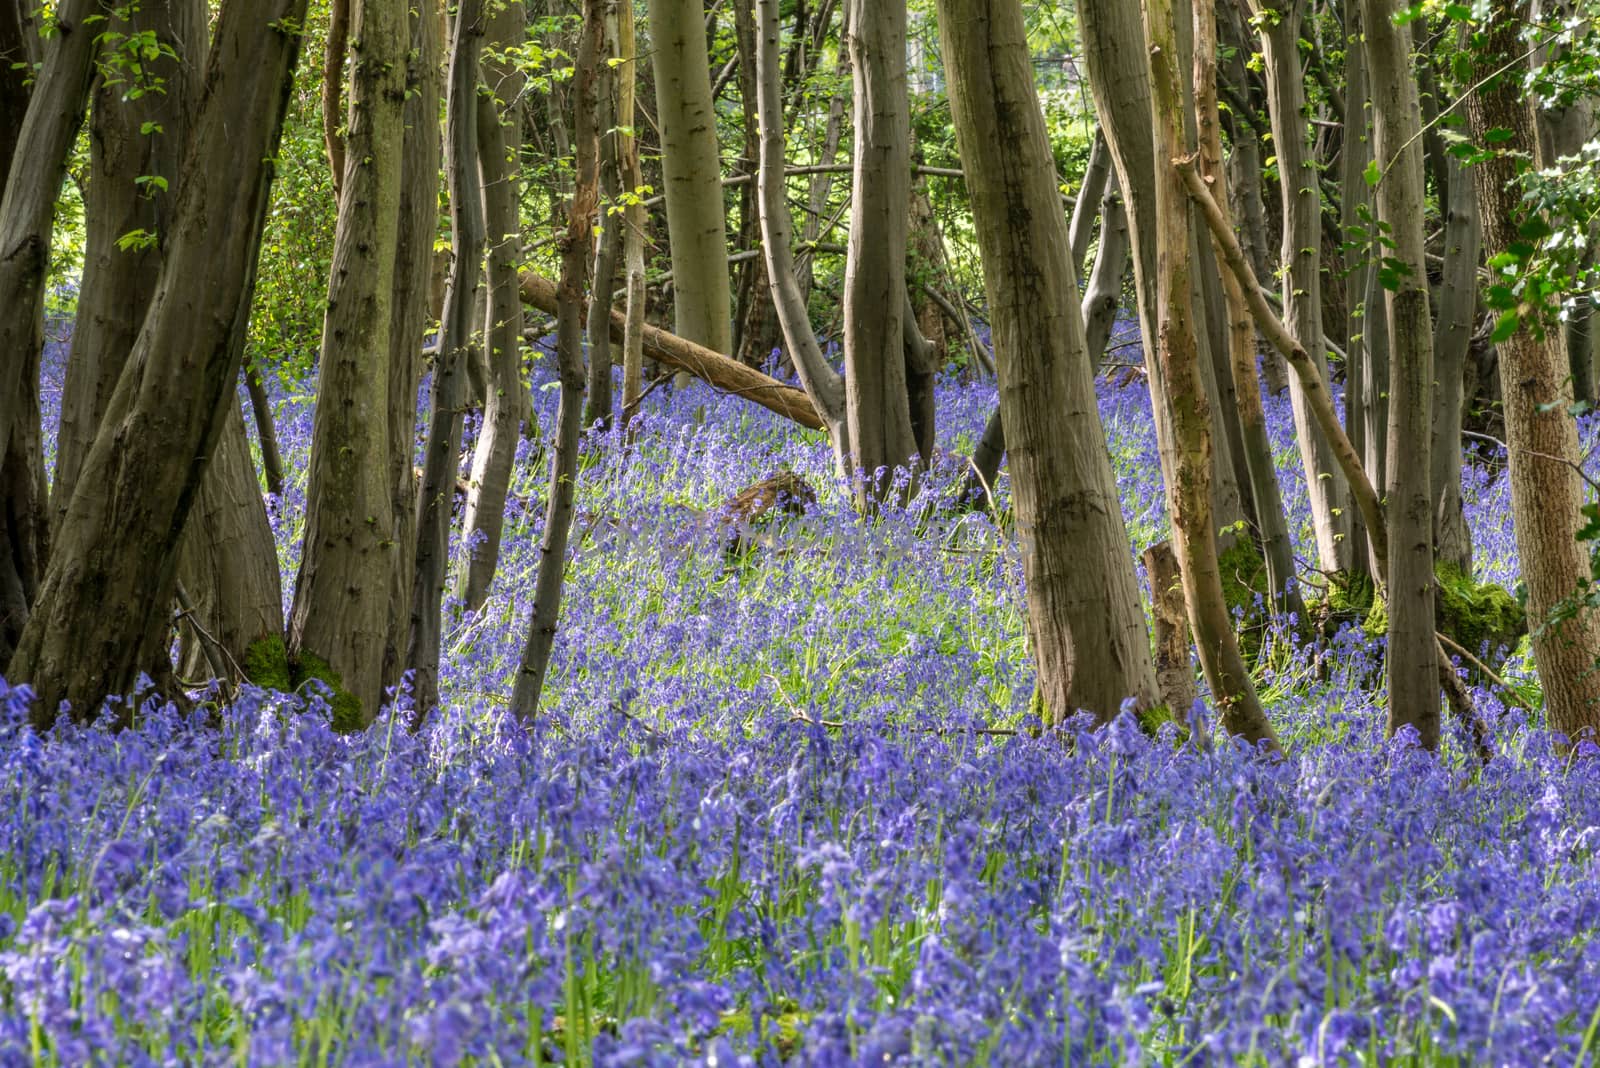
1244,577
1152,719
266,664
1473,615
346,708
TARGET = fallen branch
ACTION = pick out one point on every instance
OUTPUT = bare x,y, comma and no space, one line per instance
716,370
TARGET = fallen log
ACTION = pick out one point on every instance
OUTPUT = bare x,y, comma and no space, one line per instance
716,370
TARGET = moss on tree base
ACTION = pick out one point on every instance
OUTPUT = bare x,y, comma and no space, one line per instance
1482,618
346,708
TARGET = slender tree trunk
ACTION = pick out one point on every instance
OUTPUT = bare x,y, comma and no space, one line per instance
1102,297
266,431
876,407
822,383
1365,336
633,216
1410,662
1095,181
1546,489
546,612
821,186
105,597
413,279
339,623
441,458
691,167
608,248
1452,338
1090,642
333,89
1194,535
1302,283
500,145
1255,447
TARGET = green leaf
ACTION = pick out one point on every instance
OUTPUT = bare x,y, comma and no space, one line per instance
1505,326
1372,174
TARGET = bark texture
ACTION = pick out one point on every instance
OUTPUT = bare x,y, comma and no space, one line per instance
105,597
1091,645
1546,490
1410,661
339,624
877,411
691,169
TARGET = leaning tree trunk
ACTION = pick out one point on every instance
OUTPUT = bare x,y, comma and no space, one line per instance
1194,531
441,458
1272,526
499,145
1452,339
1410,661
1302,281
104,601
37,165
339,623
413,277
1546,487
691,169
1090,642
535,666
877,411
120,199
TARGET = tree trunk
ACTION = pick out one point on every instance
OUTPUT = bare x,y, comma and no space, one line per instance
633,216
1102,297
1546,489
821,186
877,412
1174,670
1090,642
229,565
500,145
38,162
1096,173
442,455
608,248
106,594
546,611
333,89
1302,281
413,275
1410,662
823,385
339,623
266,431
1366,340
1458,308
119,199
1194,531
691,169
1272,526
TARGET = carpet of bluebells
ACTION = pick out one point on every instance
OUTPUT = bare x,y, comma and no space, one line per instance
680,862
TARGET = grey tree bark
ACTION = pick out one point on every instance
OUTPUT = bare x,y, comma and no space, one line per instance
633,217
877,412
339,623
1194,529
1410,662
37,165
499,148
105,596
1280,22
608,247
1452,337
447,393
691,169
1091,645
546,612
1546,489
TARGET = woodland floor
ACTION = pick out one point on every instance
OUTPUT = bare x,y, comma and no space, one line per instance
673,866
